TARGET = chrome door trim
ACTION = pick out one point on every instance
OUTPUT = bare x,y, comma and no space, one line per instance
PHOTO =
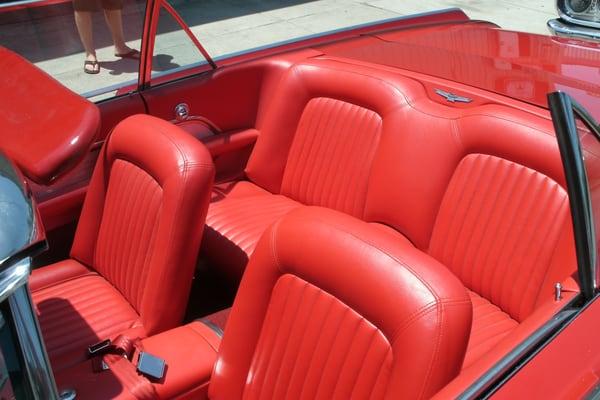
13,277
33,350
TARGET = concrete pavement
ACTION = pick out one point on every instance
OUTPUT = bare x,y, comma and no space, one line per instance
47,35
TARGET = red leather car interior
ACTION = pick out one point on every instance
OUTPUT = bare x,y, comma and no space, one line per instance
304,323
30,114
245,215
433,240
189,351
480,188
332,307
133,259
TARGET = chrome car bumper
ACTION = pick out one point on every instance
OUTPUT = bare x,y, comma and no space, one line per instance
560,28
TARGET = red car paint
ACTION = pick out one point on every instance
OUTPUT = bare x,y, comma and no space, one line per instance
518,65
568,368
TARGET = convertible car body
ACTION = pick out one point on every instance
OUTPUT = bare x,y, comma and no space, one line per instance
405,209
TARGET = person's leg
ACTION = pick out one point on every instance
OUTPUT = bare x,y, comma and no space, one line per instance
115,24
83,21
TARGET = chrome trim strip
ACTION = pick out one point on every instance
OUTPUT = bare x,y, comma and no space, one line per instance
111,88
13,277
13,286
212,326
37,364
576,21
559,28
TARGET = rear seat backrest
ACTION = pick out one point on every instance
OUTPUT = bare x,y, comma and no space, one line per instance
374,145
498,228
318,142
504,225
332,170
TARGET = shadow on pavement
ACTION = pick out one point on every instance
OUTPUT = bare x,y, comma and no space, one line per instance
161,62
41,33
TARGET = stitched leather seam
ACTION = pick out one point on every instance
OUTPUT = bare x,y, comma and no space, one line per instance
395,89
421,312
203,338
179,201
56,283
435,351
342,230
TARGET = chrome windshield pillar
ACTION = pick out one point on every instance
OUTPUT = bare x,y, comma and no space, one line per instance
15,289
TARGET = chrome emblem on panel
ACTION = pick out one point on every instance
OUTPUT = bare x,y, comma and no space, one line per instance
453,98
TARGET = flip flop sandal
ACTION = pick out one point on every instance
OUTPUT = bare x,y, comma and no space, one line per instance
93,64
132,54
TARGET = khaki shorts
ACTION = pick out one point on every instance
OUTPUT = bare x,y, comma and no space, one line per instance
97,5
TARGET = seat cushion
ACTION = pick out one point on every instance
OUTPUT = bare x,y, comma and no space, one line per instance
189,352
238,214
490,326
77,310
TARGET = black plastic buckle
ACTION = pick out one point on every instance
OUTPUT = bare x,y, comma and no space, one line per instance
151,366
99,348
98,365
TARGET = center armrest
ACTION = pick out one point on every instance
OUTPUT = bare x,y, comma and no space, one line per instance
190,352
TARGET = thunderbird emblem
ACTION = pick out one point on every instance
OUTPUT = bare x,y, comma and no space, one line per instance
452,98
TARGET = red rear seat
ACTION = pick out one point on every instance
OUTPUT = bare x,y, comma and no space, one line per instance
481,188
316,147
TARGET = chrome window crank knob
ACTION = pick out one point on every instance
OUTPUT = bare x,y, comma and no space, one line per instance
182,111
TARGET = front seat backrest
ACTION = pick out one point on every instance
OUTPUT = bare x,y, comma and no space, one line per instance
143,216
331,307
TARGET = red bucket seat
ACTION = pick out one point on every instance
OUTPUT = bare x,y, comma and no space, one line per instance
333,307
134,252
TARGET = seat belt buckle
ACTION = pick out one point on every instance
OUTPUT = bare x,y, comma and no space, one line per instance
99,348
151,366
98,365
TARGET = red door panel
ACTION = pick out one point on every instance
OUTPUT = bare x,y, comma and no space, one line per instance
225,107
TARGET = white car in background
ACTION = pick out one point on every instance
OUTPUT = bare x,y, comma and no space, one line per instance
578,18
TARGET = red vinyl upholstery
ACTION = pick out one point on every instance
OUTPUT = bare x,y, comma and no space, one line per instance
480,188
332,307
73,311
46,128
317,143
238,216
305,323
189,352
135,249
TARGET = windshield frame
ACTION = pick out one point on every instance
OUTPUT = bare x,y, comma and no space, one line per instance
564,110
